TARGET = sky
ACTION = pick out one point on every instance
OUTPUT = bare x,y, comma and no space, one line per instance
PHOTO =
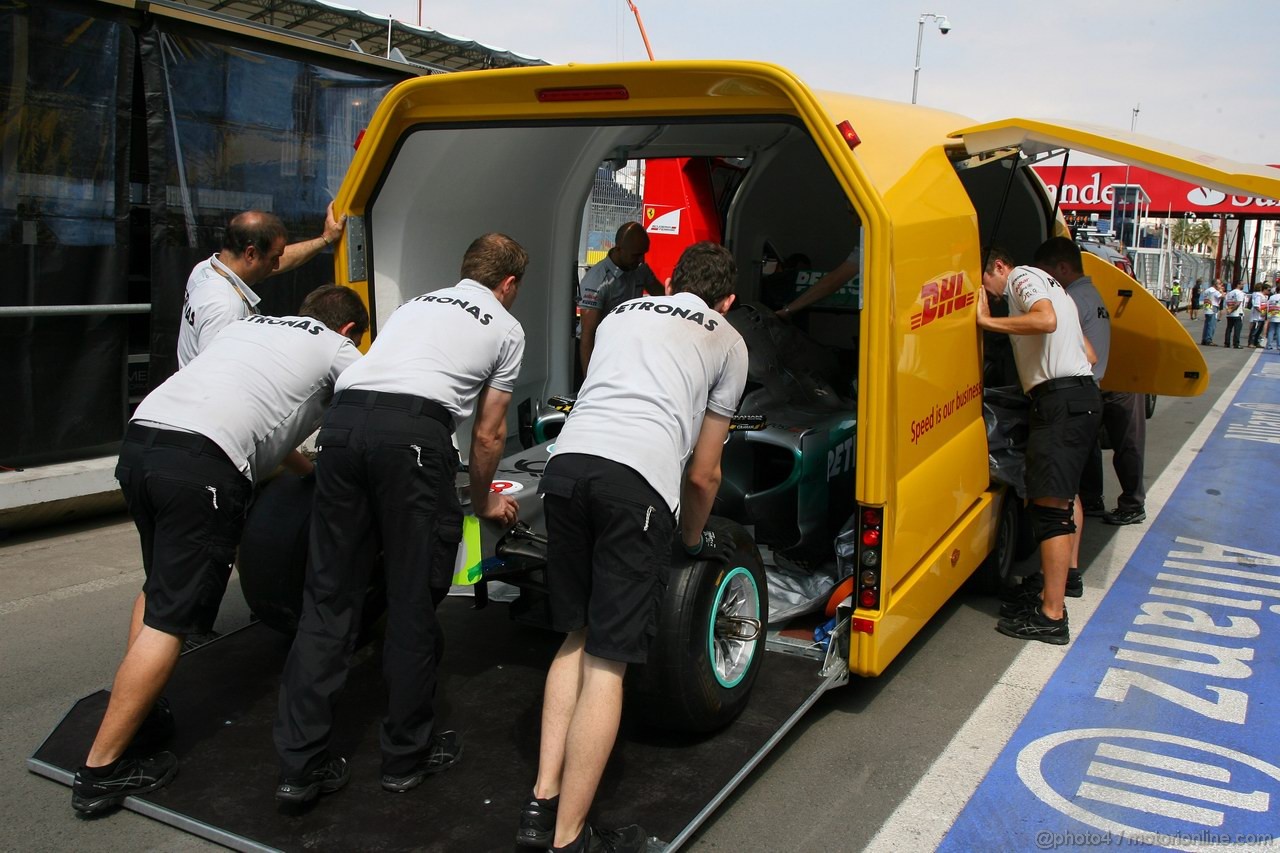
1205,74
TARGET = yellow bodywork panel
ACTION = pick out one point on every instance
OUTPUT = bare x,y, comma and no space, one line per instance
1187,164
1151,351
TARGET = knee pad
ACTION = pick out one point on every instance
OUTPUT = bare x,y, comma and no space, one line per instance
1050,521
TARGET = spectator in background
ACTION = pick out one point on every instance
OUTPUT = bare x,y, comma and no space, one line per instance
1175,296
1194,305
1273,321
1258,313
1234,311
1211,301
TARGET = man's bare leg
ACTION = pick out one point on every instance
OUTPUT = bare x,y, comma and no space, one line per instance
1055,555
1077,513
143,673
564,681
592,731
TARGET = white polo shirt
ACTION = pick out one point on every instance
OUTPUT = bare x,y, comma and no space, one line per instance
1058,354
257,390
215,298
660,363
1235,300
444,346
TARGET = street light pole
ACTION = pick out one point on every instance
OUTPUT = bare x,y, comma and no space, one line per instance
944,25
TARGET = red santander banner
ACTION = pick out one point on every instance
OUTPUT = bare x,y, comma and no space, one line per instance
1089,189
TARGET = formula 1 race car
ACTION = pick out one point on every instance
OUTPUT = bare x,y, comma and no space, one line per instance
788,478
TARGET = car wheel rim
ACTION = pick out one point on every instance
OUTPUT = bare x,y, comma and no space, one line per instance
737,604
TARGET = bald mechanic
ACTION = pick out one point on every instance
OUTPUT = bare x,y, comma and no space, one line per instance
220,289
621,275
1055,368
668,374
191,455
387,470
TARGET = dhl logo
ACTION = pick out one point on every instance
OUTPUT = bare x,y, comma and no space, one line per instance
940,298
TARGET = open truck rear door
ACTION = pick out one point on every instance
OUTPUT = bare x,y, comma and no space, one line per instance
1150,349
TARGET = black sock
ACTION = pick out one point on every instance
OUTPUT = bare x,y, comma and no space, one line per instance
577,844
103,772
549,803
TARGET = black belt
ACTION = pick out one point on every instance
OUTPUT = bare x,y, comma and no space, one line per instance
1058,384
192,441
411,403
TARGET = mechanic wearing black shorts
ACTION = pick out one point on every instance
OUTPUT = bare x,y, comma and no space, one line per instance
1054,361
666,376
190,457
386,477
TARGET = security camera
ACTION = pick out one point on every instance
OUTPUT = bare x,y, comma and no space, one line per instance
944,26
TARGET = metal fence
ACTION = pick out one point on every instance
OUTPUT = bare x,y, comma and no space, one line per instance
616,198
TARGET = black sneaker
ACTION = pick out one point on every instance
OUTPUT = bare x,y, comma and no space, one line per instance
1094,508
626,839
1034,625
538,822
91,794
157,729
1028,599
1032,584
1125,516
325,779
444,751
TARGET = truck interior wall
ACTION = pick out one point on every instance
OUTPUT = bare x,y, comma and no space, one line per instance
1024,223
450,185
791,200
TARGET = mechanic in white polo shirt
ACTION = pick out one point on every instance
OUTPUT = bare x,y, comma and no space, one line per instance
191,455
220,289
1055,367
666,378
387,469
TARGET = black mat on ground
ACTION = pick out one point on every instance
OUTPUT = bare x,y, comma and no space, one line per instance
224,699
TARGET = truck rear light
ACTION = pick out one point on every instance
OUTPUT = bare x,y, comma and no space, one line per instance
584,93
870,542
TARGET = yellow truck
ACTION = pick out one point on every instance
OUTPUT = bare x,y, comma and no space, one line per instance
888,442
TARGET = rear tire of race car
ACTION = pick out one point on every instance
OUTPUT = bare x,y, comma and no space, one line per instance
273,558
1151,405
700,673
992,575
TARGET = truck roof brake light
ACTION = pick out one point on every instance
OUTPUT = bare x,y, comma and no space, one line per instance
584,93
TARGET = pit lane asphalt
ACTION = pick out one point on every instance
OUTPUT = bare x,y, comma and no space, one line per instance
65,594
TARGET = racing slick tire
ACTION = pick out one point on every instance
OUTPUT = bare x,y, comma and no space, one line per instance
1150,405
273,558
710,641
992,574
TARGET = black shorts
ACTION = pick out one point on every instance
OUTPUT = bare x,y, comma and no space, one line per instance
1064,426
610,537
188,502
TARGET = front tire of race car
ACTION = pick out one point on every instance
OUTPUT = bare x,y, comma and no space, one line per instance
272,560
710,641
